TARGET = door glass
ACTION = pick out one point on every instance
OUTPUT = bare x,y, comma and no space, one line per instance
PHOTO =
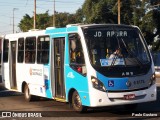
13,65
59,44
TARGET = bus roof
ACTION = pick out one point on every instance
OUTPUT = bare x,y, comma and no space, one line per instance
24,34
52,30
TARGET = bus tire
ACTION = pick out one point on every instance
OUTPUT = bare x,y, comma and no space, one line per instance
27,95
77,103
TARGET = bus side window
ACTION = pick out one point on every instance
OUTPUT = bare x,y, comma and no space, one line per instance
77,61
43,50
20,50
5,50
30,49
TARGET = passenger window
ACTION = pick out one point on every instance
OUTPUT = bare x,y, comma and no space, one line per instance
20,50
77,61
30,45
5,50
43,50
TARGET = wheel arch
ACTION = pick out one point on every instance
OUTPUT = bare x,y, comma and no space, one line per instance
70,93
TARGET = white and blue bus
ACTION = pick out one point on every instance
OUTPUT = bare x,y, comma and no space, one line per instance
74,65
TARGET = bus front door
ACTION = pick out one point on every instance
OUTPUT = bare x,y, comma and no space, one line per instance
12,64
59,50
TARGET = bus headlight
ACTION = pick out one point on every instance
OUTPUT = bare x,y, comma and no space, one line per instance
152,79
97,84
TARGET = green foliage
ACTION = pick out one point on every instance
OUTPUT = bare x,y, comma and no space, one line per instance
98,11
133,12
62,19
79,17
26,23
43,20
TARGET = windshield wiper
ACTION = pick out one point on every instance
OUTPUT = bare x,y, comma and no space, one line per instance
131,54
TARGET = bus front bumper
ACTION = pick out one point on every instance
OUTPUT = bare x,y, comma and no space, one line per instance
99,98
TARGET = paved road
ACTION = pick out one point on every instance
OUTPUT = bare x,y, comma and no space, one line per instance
14,102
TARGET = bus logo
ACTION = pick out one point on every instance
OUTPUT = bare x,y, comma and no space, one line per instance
128,84
70,75
110,83
127,73
6,114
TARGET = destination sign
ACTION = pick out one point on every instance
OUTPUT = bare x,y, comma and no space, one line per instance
110,33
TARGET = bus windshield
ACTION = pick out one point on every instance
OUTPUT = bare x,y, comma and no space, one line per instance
116,46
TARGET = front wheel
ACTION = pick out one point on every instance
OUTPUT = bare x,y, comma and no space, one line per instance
76,103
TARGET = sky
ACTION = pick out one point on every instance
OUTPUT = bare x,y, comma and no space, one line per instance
22,7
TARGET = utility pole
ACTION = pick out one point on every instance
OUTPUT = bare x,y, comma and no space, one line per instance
13,17
34,14
54,16
119,12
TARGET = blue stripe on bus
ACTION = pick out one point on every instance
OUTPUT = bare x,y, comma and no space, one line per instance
72,29
76,81
58,35
61,30
48,88
55,30
47,81
113,83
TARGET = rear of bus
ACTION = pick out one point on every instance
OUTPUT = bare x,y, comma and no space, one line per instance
1,60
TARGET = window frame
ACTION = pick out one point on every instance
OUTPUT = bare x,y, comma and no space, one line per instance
30,52
7,51
78,67
21,50
42,50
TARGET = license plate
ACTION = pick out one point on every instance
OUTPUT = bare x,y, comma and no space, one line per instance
129,97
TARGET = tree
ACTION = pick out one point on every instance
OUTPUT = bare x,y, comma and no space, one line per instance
105,11
43,20
26,23
79,16
98,11
147,27
62,19
151,28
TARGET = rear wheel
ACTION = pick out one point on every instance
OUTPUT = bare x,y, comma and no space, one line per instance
27,95
76,103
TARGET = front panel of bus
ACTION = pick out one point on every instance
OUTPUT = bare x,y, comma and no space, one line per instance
120,68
